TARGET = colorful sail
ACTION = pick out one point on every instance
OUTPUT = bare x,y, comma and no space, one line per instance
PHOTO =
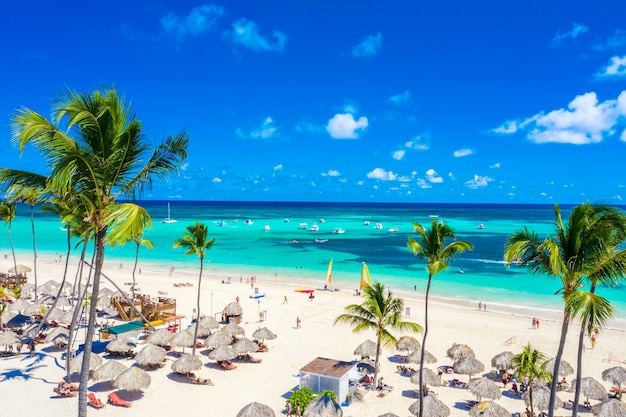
365,276
329,275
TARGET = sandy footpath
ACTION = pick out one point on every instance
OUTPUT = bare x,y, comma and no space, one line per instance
28,382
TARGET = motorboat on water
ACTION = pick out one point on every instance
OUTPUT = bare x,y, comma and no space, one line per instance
314,228
303,226
249,221
378,226
321,240
338,231
222,223
266,227
480,226
286,220
366,223
322,220
394,230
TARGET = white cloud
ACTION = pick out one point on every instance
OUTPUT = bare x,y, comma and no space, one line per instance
423,184
615,42
343,126
381,174
266,130
216,180
419,142
398,155
507,128
496,165
615,68
278,167
246,33
199,21
478,182
577,30
451,176
331,173
431,176
460,153
404,178
399,99
369,46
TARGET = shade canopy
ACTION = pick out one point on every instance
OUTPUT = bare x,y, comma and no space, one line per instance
502,360
245,345
541,398
429,377
186,363
263,334
323,406
132,379
616,375
484,388
203,331
233,309
609,408
58,334
209,322
76,364
150,355
488,409
108,371
9,339
182,339
591,388
415,357
564,367
458,351
223,353
468,366
218,338
161,337
432,407
407,343
256,410
234,329
120,344
366,349
21,269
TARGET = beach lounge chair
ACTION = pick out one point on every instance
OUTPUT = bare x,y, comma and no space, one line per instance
94,401
613,358
116,400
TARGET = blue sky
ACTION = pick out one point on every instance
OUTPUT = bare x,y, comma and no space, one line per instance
401,101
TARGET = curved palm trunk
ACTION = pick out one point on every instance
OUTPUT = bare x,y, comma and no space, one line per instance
557,362
132,289
430,277
32,225
530,399
195,333
84,376
14,259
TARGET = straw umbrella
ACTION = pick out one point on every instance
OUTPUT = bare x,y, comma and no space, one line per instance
245,345
488,409
255,409
590,388
19,305
108,371
67,317
616,375
161,337
415,357
186,363
76,363
323,406
218,338
33,309
58,335
367,349
564,368
541,398
407,343
120,344
182,339
432,407
132,379
234,329
21,269
459,351
209,322
9,339
233,309
366,366
388,415
484,388
150,355
502,361
468,366
609,408
429,378
263,334
202,330
222,353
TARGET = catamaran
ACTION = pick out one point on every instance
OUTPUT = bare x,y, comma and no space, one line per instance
169,218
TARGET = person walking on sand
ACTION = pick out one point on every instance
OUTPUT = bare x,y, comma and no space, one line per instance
480,305
288,409
285,300
298,321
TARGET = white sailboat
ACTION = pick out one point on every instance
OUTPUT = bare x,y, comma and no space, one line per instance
169,218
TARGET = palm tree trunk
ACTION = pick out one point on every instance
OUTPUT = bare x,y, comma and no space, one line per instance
17,279
32,225
430,277
378,336
530,398
132,289
95,289
195,333
579,366
557,362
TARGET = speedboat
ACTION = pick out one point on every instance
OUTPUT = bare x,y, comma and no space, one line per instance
321,240
314,228
394,230
480,226
249,221
303,226
339,231
266,227
366,223
378,226
222,223
286,220
322,220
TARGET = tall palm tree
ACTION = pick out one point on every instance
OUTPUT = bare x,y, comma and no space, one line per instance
528,366
431,245
8,210
593,311
95,145
581,249
381,312
196,242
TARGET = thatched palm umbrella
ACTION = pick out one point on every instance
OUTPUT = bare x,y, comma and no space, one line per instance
182,339
67,317
407,343
488,409
468,365
564,367
21,269
120,344
58,335
367,366
19,305
209,322
432,407
132,379
541,398
263,334
234,329
323,406
34,309
429,378
218,338
202,331
616,375
105,292
609,408
502,361
223,353
9,339
76,363
256,410
590,388
48,285
186,363
245,345
415,357
484,388
161,337
233,309
388,415
367,349
459,351
108,371
55,313
150,355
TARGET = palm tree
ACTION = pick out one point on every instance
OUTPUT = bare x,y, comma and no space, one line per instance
8,210
431,245
582,249
95,145
196,242
529,366
594,311
380,311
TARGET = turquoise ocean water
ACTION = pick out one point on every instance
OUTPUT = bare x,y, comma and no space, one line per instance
249,249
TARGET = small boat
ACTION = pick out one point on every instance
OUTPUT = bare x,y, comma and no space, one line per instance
266,227
394,230
314,228
249,221
378,226
222,223
303,226
338,231
321,240
461,271
286,220
480,226
322,220
366,223
433,216
169,219
235,220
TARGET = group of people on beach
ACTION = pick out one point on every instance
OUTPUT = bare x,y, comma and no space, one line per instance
482,306
535,323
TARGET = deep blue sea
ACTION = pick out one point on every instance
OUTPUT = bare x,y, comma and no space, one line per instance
244,245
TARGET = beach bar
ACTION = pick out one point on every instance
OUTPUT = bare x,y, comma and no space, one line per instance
329,374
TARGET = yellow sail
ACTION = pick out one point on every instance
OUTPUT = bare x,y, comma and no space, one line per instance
329,275
365,276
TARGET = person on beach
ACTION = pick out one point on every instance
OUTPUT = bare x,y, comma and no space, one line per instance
484,306
237,299
32,349
480,305
298,321
593,341
534,325
285,300
537,324
505,378
288,408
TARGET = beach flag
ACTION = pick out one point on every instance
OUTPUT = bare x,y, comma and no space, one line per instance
365,276
329,275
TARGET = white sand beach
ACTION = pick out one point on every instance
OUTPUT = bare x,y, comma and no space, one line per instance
27,383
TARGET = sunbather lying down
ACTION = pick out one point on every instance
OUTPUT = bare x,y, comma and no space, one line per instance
64,392
197,380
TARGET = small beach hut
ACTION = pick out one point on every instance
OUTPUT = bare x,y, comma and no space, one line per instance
232,313
255,409
329,374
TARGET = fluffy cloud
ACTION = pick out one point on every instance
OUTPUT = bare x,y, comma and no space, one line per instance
278,167
331,173
507,128
265,131
462,152
246,33
398,155
216,180
343,126
369,46
399,99
431,176
577,30
381,174
198,22
584,121
615,68
422,183
478,182
419,142
496,165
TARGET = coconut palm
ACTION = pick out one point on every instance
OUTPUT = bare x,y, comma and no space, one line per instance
431,245
528,366
380,311
196,242
584,248
8,210
95,145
